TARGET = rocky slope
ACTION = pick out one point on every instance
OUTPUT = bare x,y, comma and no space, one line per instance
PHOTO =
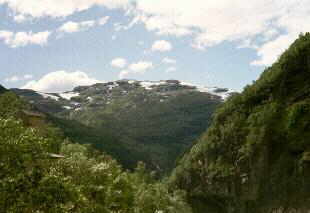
149,121
255,157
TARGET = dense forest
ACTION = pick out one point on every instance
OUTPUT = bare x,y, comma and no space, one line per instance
255,157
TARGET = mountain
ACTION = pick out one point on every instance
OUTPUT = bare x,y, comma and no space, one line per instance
146,121
255,157
41,171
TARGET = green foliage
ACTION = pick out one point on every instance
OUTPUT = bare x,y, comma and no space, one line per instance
10,105
83,180
254,157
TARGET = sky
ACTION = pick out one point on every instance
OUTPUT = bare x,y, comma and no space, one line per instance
55,45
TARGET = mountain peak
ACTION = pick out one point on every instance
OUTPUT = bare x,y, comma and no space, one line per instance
138,113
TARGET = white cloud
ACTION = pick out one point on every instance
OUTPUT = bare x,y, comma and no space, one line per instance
162,26
19,18
72,27
15,78
21,39
270,51
171,69
161,46
12,79
141,66
119,63
169,61
136,68
123,74
103,20
121,27
60,81
213,22
59,8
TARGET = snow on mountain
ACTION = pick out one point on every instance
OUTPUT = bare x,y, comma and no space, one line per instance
68,95
148,85
224,93
46,95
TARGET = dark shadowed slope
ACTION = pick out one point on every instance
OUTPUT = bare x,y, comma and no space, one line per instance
2,89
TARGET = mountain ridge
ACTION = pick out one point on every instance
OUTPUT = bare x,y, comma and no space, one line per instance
156,120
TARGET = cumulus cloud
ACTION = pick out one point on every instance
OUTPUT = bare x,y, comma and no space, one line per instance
270,51
161,46
141,66
60,81
73,27
136,68
213,22
119,63
59,8
169,61
21,39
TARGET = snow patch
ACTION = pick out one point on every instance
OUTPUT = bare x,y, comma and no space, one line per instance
69,95
46,95
67,107
221,92
113,85
149,84
131,82
187,84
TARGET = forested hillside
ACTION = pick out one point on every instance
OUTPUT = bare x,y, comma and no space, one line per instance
42,172
133,121
255,157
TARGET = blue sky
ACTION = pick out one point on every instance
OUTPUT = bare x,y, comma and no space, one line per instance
60,44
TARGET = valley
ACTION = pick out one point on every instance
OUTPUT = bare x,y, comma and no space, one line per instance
161,146
133,121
